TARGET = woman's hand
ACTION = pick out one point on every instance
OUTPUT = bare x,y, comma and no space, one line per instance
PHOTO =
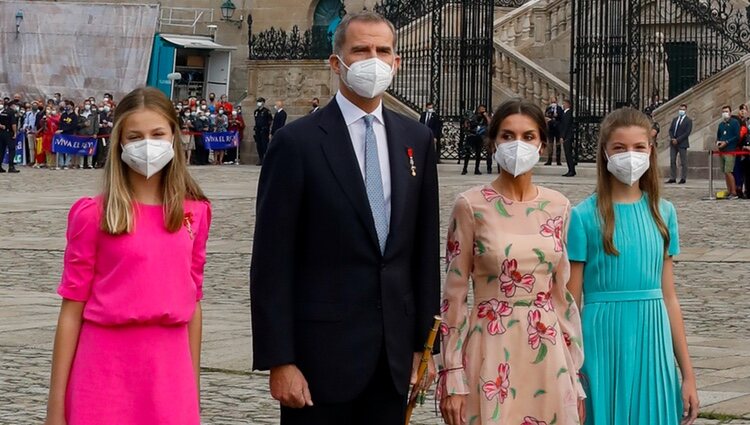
690,403
581,410
453,409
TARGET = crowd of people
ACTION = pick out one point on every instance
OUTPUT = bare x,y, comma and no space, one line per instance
39,121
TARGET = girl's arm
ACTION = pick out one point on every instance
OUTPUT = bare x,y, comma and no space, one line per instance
679,340
195,330
575,284
66,342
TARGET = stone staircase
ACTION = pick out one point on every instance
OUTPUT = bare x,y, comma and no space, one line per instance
532,45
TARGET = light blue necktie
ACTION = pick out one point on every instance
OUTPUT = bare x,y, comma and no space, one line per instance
374,183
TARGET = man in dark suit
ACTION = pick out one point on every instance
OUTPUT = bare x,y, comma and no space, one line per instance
315,105
279,119
262,128
432,120
566,133
345,276
679,136
554,114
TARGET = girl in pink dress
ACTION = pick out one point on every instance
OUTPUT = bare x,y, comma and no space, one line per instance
127,348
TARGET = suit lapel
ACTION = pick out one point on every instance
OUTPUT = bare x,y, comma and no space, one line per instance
400,174
339,152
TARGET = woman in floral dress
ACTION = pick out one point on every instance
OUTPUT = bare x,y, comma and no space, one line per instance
513,358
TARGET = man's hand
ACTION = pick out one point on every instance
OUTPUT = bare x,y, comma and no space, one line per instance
674,142
429,377
289,387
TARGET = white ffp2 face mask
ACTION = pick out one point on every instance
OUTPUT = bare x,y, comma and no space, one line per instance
148,156
628,167
517,157
368,78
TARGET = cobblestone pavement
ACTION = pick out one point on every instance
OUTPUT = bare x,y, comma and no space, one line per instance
712,275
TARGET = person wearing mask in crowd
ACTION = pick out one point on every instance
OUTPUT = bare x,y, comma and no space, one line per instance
106,123
566,131
476,129
315,105
279,118
727,137
655,103
222,126
52,125
204,107
212,103
511,234
739,163
68,127
40,160
236,123
186,136
553,114
262,128
88,126
8,130
29,130
432,120
57,98
621,245
109,99
679,142
201,125
226,105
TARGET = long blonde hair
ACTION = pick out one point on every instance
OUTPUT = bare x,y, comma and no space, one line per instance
650,182
177,184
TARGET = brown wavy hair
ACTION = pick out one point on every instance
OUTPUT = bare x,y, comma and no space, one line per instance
513,107
177,184
650,182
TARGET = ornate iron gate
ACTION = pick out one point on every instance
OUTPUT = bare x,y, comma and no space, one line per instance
446,46
641,53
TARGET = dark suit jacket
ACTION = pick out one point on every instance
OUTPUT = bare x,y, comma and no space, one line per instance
435,124
683,132
279,120
323,297
566,126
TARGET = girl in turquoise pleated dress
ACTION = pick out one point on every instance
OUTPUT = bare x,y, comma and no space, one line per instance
621,242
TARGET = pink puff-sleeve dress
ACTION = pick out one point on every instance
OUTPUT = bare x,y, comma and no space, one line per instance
133,363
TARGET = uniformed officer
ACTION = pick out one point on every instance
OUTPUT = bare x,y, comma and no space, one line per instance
262,128
8,131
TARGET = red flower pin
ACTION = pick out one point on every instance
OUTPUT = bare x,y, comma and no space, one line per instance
410,153
188,220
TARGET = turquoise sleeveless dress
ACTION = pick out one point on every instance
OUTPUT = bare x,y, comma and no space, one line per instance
629,359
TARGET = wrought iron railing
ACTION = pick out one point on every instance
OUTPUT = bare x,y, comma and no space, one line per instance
277,44
446,51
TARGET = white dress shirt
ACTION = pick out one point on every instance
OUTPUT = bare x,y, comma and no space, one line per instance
355,122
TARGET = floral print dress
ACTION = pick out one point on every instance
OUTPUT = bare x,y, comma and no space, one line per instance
517,352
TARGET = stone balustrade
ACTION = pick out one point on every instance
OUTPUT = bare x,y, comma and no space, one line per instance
536,22
520,75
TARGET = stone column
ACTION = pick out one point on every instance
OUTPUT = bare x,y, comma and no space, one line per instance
295,82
